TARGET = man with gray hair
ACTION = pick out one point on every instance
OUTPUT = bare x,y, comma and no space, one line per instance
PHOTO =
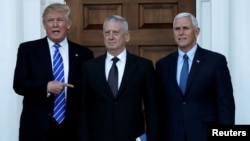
118,90
195,86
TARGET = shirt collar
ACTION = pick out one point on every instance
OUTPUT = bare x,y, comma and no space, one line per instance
190,53
63,43
121,56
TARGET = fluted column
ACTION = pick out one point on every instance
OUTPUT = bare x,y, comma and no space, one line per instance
11,34
239,56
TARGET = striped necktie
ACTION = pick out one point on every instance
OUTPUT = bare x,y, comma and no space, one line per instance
59,102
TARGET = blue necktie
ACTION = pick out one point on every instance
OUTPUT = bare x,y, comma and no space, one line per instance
113,76
184,74
59,102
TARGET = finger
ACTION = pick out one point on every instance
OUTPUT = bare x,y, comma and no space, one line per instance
68,85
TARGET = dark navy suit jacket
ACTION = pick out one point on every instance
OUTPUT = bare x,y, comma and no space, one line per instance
208,99
32,73
120,118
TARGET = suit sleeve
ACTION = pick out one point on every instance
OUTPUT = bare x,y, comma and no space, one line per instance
82,132
28,79
151,109
225,99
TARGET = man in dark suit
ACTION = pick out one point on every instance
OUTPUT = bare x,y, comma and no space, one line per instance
119,116
207,98
34,80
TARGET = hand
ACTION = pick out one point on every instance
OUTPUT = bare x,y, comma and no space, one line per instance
55,87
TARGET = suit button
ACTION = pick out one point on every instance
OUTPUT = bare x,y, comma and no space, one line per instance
184,103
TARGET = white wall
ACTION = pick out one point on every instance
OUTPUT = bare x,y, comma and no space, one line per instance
224,28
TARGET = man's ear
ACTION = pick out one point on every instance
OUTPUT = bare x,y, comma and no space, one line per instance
127,36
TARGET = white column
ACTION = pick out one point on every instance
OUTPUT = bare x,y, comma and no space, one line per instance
224,29
32,21
11,35
219,26
240,51
203,15
212,16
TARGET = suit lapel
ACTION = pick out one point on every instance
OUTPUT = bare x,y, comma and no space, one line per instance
174,72
130,67
99,72
197,62
44,54
73,56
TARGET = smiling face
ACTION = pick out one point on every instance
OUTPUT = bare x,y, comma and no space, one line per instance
56,25
185,33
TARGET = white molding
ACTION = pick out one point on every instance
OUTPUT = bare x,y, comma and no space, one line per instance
220,26
203,16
